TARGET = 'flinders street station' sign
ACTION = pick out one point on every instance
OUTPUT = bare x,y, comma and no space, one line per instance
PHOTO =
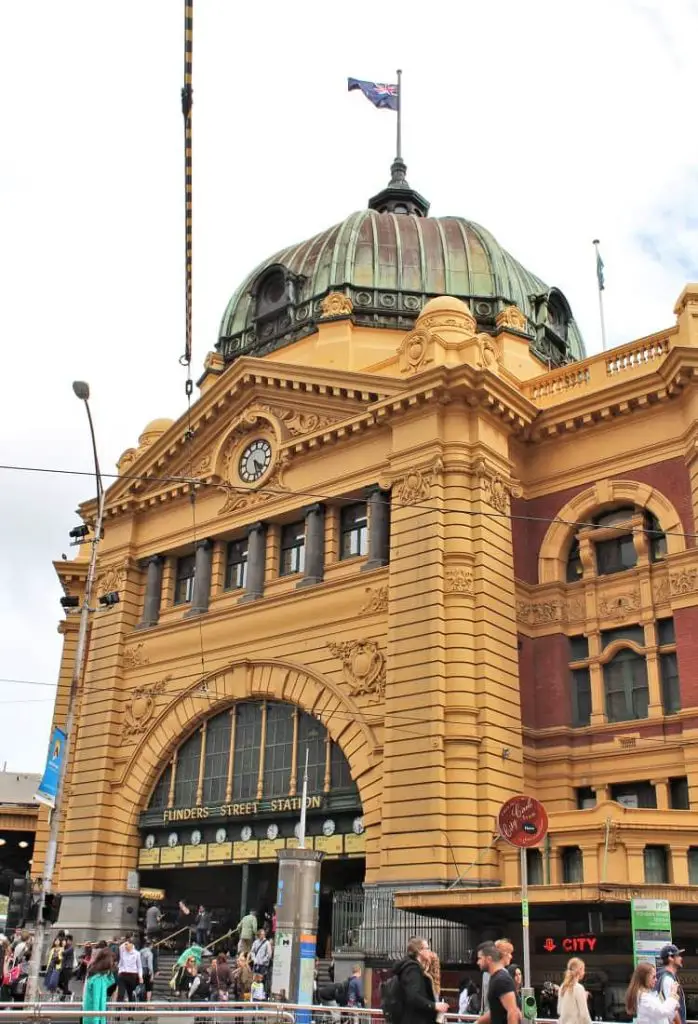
245,809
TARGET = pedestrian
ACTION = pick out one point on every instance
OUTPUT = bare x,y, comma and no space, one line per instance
242,980
506,948
221,978
355,991
203,926
53,967
153,922
416,991
671,961
468,998
130,971
645,1004
433,972
148,967
517,976
247,929
260,954
501,992
67,968
257,993
99,985
572,1002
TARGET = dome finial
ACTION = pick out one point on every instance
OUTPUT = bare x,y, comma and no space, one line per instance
398,197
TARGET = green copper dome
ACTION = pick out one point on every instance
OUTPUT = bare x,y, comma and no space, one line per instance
390,265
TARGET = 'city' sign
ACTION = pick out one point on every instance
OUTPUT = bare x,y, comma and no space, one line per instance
522,821
245,809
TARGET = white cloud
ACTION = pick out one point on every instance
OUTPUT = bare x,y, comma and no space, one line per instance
549,123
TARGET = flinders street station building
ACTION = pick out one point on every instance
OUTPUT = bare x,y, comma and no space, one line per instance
438,550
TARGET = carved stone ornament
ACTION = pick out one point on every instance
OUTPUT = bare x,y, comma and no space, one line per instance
542,613
413,354
496,491
416,485
376,600
462,320
270,487
336,304
141,707
620,606
111,577
364,667
458,581
204,465
511,316
298,423
135,657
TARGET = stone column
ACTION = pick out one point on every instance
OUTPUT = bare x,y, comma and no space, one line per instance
256,559
153,592
202,578
661,789
314,546
378,529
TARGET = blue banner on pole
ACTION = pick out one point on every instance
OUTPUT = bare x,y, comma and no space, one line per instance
48,787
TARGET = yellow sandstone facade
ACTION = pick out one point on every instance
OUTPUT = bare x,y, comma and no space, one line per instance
479,639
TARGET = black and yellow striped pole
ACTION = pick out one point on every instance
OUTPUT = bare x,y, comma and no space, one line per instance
187,103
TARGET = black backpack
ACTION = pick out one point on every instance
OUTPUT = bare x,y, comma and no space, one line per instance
391,999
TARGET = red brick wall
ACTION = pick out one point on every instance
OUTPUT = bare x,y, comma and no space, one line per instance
670,477
686,626
544,673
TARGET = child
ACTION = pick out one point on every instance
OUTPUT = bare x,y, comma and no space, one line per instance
257,993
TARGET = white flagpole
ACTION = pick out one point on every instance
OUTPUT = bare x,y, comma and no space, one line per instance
399,114
304,800
600,286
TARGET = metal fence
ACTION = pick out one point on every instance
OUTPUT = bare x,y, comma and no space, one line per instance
369,921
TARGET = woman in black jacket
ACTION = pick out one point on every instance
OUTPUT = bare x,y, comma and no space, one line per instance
416,990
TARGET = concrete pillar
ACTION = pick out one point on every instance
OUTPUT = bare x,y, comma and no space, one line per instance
297,905
202,578
256,562
314,546
378,529
153,592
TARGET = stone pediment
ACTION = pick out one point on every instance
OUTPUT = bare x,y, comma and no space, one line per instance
284,406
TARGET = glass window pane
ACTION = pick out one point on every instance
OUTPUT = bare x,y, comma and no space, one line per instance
665,632
236,565
617,516
248,736
634,794
534,863
216,758
279,750
161,793
292,548
184,582
586,797
615,555
678,794
656,865
311,737
581,697
572,865
634,633
187,777
341,775
693,865
354,531
671,689
625,682
579,648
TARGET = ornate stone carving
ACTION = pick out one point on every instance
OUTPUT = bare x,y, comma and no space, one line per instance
463,320
416,485
376,600
576,609
336,304
458,581
270,487
620,606
135,657
683,582
413,354
496,491
511,316
204,465
364,667
540,613
303,422
141,707
111,578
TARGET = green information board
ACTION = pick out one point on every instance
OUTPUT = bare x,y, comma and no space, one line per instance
651,924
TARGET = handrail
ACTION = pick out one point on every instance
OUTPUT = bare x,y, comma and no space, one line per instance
168,938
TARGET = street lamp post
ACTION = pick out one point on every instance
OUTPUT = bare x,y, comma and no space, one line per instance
82,391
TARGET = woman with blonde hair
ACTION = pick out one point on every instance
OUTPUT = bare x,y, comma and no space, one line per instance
572,1004
646,1005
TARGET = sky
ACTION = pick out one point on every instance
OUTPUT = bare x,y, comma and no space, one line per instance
549,123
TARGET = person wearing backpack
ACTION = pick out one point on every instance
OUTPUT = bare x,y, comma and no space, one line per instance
408,997
671,960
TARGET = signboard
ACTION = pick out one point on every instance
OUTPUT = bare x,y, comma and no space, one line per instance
48,787
306,976
268,848
582,945
148,858
132,881
243,809
170,855
329,844
651,927
355,845
281,964
292,843
220,851
245,851
522,821
195,854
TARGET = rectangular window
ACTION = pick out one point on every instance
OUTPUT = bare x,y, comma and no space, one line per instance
634,794
693,865
311,738
671,691
248,736
634,633
184,580
572,865
161,793
216,758
625,682
665,632
678,794
615,555
292,549
353,531
656,865
579,648
187,777
341,775
236,565
534,863
278,753
586,798
581,697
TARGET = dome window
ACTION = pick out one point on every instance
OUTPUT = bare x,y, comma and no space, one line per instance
273,292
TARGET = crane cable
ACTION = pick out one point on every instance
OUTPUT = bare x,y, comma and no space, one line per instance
187,104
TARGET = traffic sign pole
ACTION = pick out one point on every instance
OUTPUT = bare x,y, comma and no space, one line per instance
524,919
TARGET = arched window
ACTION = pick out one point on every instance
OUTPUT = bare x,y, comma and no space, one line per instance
617,553
612,535
272,292
625,683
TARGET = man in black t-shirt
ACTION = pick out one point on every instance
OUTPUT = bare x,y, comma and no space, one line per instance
501,990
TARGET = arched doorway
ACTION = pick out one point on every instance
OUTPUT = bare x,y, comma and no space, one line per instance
230,798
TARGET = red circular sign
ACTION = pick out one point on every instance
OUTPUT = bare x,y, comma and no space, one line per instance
522,821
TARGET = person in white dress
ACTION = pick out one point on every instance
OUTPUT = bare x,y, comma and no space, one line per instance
572,1002
646,1005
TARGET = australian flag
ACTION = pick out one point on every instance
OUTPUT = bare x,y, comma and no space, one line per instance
379,94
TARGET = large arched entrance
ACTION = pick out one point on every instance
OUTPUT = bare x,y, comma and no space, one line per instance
230,797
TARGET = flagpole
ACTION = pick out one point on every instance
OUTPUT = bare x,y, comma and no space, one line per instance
600,284
399,114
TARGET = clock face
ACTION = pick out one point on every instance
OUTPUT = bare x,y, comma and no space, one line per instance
328,827
149,842
272,831
221,835
195,837
358,826
245,833
297,830
172,839
255,461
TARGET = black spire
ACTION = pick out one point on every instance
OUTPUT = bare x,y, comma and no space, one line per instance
398,197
